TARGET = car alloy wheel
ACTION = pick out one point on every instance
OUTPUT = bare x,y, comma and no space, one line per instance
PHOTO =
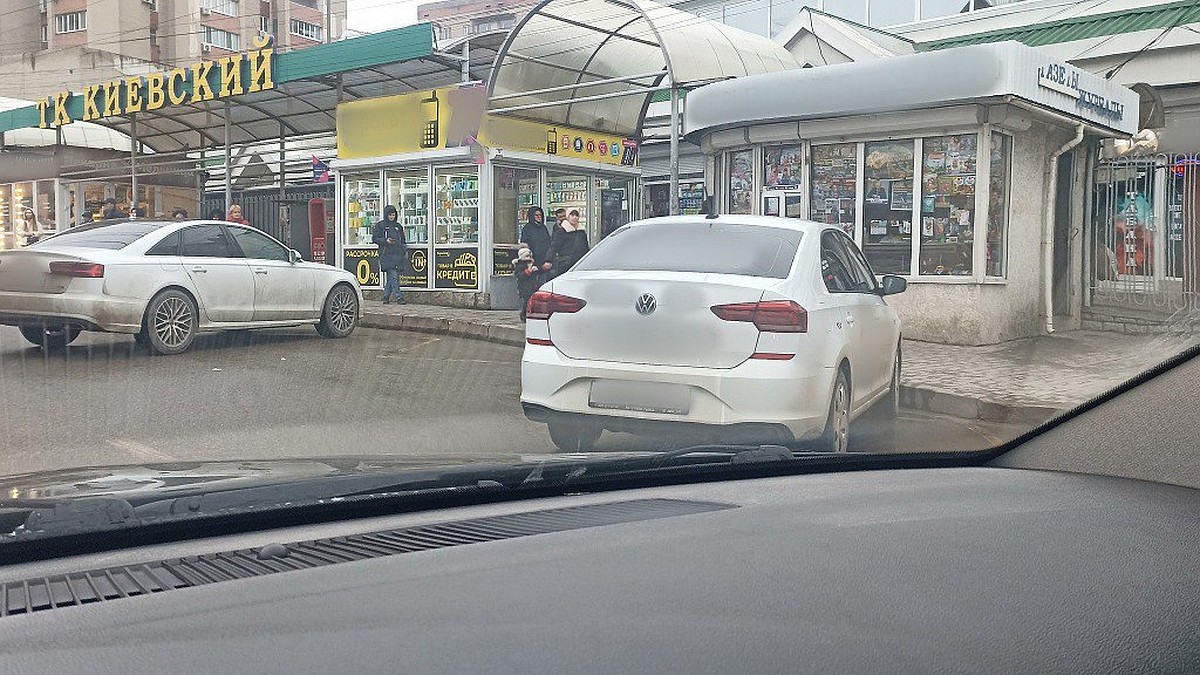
837,426
340,314
171,323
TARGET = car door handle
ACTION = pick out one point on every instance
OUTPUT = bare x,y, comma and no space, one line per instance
200,269
260,270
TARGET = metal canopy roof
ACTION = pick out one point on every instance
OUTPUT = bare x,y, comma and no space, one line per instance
304,100
1084,27
595,63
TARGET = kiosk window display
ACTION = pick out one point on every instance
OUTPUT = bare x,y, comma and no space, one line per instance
888,206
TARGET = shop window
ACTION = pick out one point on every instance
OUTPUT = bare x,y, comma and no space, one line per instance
782,166
691,198
740,181
948,205
1123,206
998,201
888,205
615,196
456,206
7,235
658,200
515,191
363,209
44,207
834,185
409,193
569,193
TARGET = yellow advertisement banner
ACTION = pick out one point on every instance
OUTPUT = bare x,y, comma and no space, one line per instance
450,117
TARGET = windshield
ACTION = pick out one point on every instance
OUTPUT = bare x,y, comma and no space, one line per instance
519,251
714,248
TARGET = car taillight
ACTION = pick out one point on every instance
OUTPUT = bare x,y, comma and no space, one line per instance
772,316
70,268
544,303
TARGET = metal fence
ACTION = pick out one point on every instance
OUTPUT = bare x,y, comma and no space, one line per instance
1144,227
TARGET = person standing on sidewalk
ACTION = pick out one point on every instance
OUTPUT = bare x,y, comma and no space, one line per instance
536,236
235,215
567,245
393,253
528,277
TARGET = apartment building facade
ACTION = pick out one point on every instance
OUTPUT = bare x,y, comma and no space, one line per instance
55,44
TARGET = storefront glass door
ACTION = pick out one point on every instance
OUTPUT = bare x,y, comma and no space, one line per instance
615,199
569,192
456,228
408,191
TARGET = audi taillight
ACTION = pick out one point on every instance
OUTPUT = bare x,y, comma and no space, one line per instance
543,304
69,268
772,316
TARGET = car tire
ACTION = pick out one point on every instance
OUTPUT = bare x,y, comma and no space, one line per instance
339,316
889,407
171,323
51,337
836,437
574,437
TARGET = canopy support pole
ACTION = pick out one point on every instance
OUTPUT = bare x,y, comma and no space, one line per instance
466,62
285,229
133,148
228,163
674,198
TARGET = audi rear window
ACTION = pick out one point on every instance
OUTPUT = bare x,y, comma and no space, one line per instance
708,248
112,236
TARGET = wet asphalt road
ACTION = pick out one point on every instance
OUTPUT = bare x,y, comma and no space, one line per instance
290,393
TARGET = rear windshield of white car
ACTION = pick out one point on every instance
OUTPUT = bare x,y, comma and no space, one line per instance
708,248
103,235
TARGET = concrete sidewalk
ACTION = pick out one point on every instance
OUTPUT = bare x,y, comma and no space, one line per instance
1023,381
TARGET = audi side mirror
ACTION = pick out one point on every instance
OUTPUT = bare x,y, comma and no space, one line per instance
892,285
294,256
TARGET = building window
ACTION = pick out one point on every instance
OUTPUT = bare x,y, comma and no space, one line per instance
45,35
997,228
222,38
307,30
888,206
70,23
264,24
948,205
740,181
311,4
226,7
490,23
834,185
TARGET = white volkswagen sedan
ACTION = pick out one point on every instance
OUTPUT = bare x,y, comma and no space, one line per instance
752,328
166,281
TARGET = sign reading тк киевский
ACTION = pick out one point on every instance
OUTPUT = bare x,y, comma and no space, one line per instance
206,81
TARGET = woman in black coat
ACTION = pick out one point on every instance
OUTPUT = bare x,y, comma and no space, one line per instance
536,236
568,244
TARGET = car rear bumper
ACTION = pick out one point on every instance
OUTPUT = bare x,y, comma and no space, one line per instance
115,315
759,395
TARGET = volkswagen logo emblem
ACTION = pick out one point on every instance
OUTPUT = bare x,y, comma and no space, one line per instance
646,304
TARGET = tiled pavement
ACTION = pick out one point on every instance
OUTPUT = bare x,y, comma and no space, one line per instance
1020,381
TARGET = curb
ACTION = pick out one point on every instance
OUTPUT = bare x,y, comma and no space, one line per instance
956,405
912,398
506,335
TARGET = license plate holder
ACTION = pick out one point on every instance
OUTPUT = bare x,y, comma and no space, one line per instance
651,397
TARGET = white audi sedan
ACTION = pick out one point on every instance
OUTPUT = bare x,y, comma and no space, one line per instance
166,281
753,328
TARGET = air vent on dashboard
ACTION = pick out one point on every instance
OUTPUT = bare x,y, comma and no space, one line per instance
80,588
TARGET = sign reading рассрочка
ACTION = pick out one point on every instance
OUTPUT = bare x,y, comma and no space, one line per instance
206,81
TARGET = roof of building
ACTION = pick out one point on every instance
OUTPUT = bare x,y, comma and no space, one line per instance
1081,28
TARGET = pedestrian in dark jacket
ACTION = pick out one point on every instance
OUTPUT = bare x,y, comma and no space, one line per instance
393,253
110,210
536,235
568,244
529,276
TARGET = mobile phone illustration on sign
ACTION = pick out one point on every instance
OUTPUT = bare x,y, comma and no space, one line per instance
429,111
552,142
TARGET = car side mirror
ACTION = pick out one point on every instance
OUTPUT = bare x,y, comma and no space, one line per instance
892,285
294,256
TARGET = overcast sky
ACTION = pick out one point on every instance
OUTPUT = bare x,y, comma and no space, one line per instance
372,16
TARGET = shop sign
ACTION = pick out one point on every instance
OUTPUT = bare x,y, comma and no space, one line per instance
456,117
1065,80
206,81
363,263
502,257
456,268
